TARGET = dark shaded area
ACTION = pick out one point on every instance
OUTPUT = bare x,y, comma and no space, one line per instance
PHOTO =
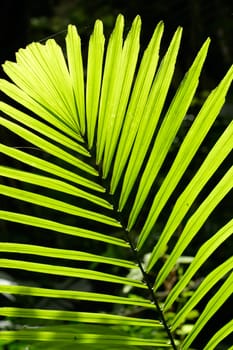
14,25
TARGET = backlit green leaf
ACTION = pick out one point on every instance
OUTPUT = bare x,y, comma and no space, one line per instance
68,272
212,306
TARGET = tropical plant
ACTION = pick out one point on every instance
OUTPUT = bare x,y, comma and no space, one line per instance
100,137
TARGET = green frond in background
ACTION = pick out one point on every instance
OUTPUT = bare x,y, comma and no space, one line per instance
99,133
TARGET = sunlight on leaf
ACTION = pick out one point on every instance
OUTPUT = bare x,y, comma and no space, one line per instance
100,208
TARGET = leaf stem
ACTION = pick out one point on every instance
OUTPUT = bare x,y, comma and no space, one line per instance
151,292
146,279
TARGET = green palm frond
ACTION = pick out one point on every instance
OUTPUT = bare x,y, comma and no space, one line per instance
101,132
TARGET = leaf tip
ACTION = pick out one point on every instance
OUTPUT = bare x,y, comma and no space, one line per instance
120,19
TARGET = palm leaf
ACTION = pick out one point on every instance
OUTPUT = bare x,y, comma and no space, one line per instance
102,132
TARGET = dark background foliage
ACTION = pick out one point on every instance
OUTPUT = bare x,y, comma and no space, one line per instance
23,21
